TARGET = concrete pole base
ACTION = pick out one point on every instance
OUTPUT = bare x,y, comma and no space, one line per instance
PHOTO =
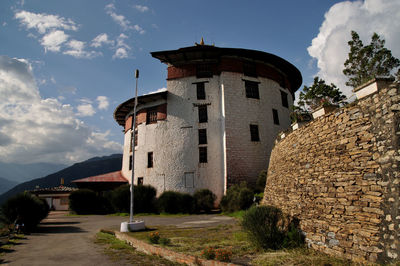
132,226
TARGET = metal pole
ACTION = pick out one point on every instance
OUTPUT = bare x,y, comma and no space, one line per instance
133,134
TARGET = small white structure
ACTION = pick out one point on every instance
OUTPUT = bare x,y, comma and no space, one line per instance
216,123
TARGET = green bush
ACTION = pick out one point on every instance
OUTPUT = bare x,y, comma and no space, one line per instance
261,181
238,197
268,228
175,202
24,208
86,201
204,200
144,199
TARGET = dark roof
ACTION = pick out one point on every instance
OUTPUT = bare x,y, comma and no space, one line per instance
124,108
207,53
115,177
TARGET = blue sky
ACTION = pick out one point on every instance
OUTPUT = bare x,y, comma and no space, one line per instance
66,65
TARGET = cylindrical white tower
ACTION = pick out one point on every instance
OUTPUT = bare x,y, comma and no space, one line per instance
216,123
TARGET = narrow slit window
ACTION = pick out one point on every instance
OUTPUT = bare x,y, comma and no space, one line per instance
203,117
251,89
202,154
254,135
130,162
275,116
151,116
136,138
149,159
201,91
140,181
202,136
284,98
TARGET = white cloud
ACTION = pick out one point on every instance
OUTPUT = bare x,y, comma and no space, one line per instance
101,39
142,8
330,47
120,53
44,22
53,40
121,20
35,129
85,110
77,49
102,102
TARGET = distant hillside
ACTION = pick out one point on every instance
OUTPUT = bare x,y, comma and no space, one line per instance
6,185
91,167
25,172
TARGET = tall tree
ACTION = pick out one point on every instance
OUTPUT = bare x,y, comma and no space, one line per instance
319,94
367,62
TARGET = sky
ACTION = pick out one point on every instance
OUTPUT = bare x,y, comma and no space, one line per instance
66,65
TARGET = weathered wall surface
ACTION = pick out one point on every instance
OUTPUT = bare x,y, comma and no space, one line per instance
340,176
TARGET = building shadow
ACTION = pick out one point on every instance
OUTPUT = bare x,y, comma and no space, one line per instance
57,228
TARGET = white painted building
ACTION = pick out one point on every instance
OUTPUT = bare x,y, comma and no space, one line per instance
216,123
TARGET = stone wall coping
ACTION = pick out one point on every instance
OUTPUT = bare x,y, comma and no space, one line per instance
377,79
168,254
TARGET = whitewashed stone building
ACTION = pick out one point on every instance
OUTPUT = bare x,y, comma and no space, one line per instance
215,124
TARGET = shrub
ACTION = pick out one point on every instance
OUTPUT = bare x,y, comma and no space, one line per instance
238,197
269,228
208,253
25,208
261,181
223,255
144,198
86,201
165,241
154,237
204,200
175,202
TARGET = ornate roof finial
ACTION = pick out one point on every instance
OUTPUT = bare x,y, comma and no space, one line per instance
201,42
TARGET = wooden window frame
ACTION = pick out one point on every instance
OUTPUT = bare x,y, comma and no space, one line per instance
201,91
203,154
202,136
275,116
140,181
150,162
254,133
203,115
252,89
151,115
284,98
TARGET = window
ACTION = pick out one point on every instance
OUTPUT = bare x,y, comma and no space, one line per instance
254,133
203,118
202,154
276,117
284,98
136,138
140,181
151,116
130,162
201,92
202,136
249,69
251,89
203,71
149,159
189,180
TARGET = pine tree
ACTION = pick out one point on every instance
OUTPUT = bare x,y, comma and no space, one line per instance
367,62
319,94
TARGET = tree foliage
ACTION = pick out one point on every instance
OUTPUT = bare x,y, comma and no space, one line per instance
367,62
319,94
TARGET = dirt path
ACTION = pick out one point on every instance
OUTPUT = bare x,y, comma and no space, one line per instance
68,240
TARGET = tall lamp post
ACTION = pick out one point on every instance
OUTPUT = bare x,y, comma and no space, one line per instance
133,225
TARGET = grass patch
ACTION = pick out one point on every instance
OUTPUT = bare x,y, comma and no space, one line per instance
231,237
119,251
236,214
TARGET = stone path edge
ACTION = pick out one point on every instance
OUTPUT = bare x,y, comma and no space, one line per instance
165,253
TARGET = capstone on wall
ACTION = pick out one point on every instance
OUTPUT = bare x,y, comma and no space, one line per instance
340,176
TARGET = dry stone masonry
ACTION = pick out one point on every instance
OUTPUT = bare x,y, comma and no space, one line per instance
340,176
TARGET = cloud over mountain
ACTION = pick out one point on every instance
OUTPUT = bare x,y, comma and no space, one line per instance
36,129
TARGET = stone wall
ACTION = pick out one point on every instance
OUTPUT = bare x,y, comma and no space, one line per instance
339,175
